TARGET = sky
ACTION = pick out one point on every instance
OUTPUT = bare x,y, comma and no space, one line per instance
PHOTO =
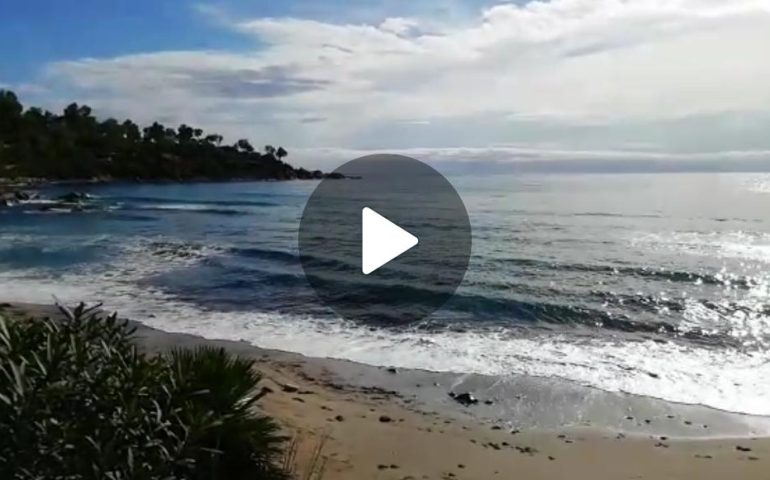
453,80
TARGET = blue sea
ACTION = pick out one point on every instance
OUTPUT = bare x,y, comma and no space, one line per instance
652,284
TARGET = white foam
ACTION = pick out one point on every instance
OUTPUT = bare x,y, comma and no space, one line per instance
725,379
758,184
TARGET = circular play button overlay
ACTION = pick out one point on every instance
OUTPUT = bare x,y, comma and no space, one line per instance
389,244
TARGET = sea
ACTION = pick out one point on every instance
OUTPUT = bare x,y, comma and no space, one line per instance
650,284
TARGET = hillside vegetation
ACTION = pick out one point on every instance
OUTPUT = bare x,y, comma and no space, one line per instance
75,145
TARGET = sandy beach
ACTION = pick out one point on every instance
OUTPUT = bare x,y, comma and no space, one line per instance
371,431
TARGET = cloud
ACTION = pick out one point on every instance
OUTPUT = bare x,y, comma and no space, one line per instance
204,74
549,69
529,159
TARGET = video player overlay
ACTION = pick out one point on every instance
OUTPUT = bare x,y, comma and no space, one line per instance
389,244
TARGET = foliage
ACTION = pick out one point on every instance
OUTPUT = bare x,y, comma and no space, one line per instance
79,401
75,145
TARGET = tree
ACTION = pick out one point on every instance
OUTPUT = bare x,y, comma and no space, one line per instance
244,145
154,133
213,139
10,115
185,133
131,132
74,144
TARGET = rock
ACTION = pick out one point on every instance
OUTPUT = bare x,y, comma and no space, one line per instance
496,427
382,467
528,450
22,196
385,419
488,402
289,388
465,399
392,370
551,458
74,197
339,418
742,449
653,375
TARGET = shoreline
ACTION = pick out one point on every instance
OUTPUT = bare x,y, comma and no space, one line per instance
429,435
20,184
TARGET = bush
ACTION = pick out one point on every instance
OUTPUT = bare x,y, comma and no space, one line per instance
79,401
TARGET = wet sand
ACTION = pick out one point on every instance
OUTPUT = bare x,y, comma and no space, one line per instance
376,423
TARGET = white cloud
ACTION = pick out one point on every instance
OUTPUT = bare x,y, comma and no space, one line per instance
544,68
509,158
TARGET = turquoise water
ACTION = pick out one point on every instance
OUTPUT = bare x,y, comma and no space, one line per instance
650,284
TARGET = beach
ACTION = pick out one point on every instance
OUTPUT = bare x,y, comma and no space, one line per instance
371,424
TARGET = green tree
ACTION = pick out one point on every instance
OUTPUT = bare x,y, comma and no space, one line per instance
244,146
76,145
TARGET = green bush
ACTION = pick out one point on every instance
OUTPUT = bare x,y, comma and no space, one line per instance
79,401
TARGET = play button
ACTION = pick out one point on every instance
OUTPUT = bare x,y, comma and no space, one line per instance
382,241
388,245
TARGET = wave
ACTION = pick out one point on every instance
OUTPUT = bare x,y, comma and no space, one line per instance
166,200
697,278
188,208
727,379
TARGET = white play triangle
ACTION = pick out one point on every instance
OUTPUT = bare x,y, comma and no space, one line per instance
382,240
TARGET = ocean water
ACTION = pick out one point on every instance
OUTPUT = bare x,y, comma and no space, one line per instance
654,284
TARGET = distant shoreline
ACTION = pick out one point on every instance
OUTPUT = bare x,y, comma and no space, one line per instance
21,183
17,191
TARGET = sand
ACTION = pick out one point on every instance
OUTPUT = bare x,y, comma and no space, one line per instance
368,431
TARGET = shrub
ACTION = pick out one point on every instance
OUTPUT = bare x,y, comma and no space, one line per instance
78,400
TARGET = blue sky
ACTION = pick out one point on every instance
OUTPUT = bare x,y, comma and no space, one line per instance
446,77
37,32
